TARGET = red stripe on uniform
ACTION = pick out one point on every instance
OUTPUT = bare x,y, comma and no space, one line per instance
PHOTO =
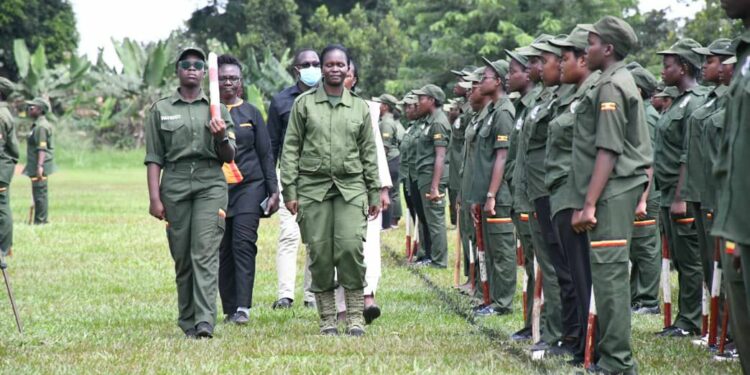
609,243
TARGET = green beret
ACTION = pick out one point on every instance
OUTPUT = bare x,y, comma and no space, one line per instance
684,48
499,66
41,103
615,31
719,47
6,86
578,39
431,91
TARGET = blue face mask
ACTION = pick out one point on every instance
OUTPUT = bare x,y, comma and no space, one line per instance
310,76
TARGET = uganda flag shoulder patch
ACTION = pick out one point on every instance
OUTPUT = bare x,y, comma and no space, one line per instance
502,138
608,106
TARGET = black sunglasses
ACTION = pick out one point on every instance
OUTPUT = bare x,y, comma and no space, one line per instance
308,64
187,64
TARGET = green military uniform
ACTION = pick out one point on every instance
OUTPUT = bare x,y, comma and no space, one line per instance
329,166
732,216
645,247
455,155
681,232
8,158
392,133
40,139
611,117
435,133
194,193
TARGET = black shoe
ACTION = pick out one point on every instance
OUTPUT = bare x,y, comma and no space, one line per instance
239,318
522,335
190,333
423,263
329,332
371,313
356,332
575,362
485,311
308,304
204,330
646,310
539,346
673,331
562,348
435,265
283,303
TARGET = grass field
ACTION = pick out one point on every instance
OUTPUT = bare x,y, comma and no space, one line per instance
96,293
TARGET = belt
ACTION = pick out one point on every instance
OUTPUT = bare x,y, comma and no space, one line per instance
192,164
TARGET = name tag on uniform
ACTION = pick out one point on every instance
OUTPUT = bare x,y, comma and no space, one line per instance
534,112
171,118
519,124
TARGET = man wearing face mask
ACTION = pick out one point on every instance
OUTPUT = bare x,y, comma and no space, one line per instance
307,70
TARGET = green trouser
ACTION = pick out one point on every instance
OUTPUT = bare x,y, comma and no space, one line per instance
6,220
551,324
645,256
739,303
467,232
706,243
682,238
500,245
609,277
523,231
452,205
434,212
333,231
39,194
195,200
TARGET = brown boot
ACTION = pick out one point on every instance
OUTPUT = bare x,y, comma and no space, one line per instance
355,305
326,303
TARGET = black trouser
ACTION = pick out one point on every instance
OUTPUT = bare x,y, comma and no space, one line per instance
568,296
237,262
408,198
576,249
391,212
424,236
452,209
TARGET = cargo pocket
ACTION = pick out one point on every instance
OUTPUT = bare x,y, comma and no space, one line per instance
309,164
299,219
353,165
501,223
685,225
609,251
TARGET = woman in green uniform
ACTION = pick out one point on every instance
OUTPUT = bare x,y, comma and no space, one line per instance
39,156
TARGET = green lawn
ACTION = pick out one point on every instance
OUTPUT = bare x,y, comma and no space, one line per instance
96,293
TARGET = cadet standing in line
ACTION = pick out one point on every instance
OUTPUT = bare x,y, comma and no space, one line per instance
184,142
490,191
39,156
8,158
558,163
645,248
519,81
392,133
608,181
330,180
681,67
432,172
254,160
456,146
407,151
733,207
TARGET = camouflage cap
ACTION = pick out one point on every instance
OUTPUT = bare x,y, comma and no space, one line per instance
643,78
669,92
521,59
578,39
6,86
684,48
719,47
500,67
191,49
432,91
40,102
614,31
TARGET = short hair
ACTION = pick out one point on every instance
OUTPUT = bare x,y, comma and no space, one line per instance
693,70
229,60
300,52
355,71
334,47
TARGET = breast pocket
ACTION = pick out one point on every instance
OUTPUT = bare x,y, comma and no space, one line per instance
245,134
675,133
561,130
176,134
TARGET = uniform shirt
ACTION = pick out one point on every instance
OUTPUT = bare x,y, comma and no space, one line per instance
519,190
652,118
493,134
278,117
8,145
670,145
329,146
40,139
407,153
694,148
470,145
390,133
713,129
254,159
434,133
539,118
732,214
611,117
558,161
178,130
456,147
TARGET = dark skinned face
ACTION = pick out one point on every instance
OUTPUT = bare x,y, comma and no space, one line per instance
335,68
518,76
306,60
667,103
458,90
384,108
535,69
711,69
571,67
736,9
34,111
425,104
490,82
230,82
658,103
411,111
550,69
725,74
596,52
476,99
350,79
672,71
190,77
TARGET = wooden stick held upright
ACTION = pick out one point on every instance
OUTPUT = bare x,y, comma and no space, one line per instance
482,259
665,284
459,253
715,291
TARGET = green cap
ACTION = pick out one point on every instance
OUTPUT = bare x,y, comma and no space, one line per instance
684,48
528,51
410,99
549,48
730,61
6,86
614,31
473,77
386,98
643,78
521,59
431,91
660,86
40,102
669,92
465,71
719,47
578,39
467,85
499,66
194,50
